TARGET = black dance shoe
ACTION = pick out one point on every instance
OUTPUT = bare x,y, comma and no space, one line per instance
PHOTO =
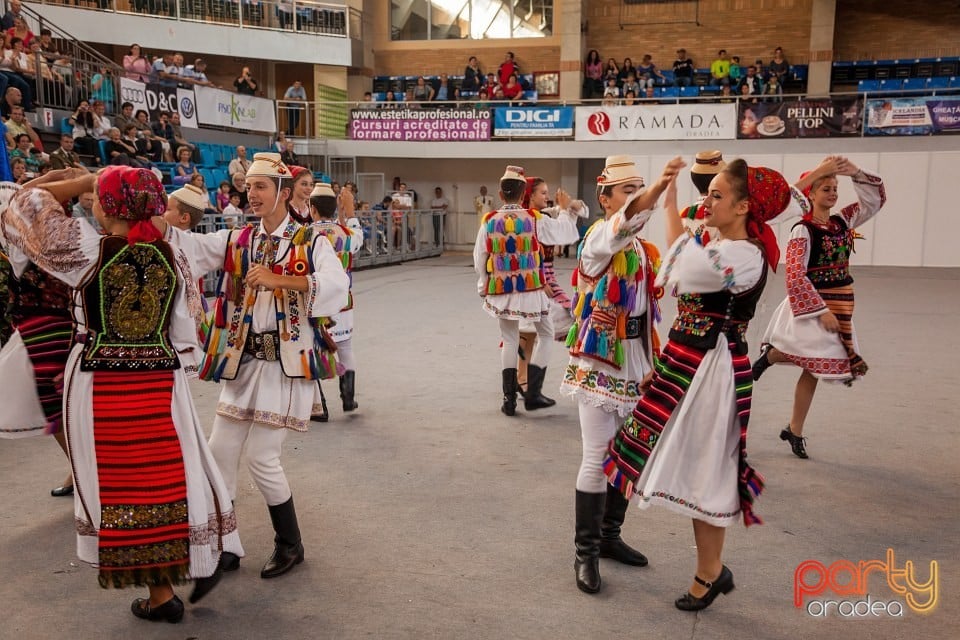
229,561
171,610
203,586
796,442
59,492
762,364
723,584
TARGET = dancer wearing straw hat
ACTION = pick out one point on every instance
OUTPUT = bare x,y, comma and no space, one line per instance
612,347
507,258
264,342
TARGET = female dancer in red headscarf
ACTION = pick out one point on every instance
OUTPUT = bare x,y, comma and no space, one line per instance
813,327
151,508
684,446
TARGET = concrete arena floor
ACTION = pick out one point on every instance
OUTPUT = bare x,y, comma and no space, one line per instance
429,514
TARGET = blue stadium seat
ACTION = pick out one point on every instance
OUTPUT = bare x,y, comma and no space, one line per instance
914,84
102,148
670,92
939,82
868,85
65,126
689,92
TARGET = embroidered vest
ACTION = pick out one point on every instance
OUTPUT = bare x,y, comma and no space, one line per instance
602,304
830,249
127,307
38,293
702,317
514,263
340,239
306,351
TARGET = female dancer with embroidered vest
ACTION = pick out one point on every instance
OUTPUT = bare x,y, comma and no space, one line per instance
341,227
813,327
507,258
611,350
684,445
278,277
151,507
537,198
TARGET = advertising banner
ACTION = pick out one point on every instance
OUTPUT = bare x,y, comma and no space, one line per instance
532,122
657,122
236,110
152,97
919,116
187,106
818,118
465,124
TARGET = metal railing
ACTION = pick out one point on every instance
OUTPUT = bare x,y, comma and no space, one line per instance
299,16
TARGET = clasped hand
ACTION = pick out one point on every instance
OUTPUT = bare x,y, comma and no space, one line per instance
262,277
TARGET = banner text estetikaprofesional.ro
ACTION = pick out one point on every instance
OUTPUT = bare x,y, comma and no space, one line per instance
418,114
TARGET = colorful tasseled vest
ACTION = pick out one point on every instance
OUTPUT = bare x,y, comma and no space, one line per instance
830,249
340,239
306,351
602,304
693,220
513,261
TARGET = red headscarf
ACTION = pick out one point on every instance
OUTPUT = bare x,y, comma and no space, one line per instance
768,196
296,171
525,203
135,195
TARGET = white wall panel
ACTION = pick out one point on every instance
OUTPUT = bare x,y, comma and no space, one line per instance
940,246
898,228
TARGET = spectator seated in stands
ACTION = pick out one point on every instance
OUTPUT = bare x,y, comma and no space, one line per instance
21,30
198,181
10,78
471,75
163,129
223,196
778,67
629,98
483,99
140,144
631,84
125,117
178,138
11,15
490,83
233,211
239,164
720,69
289,156
647,71
423,92
368,102
103,126
136,65
389,101
773,91
443,90
752,81
23,150
19,170
65,157
54,88
240,186
512,89
747,95
611,90
18,124
85,125
157,148
120,151
48,48
185,168
736,72
625,70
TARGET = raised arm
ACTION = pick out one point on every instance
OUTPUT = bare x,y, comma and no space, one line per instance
871,194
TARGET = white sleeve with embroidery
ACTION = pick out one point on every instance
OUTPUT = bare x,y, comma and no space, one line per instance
736,265
36,225
871,196
329,284
609,236
480,256
561,230
205,250
803,296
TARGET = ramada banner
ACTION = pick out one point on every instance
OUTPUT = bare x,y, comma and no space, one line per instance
658,122
820,118
421,125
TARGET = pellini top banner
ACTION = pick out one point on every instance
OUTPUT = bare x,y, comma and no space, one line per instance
532,122
657,122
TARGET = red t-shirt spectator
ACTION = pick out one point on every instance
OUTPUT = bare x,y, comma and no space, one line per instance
511,91
506,69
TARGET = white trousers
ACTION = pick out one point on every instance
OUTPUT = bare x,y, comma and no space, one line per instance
263,448
510,334
345,355
597,428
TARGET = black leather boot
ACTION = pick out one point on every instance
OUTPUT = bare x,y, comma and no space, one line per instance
287,547
325,416
589,512
533,399
510,389
347,381
611,544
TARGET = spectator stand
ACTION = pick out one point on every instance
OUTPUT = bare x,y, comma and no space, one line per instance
917,74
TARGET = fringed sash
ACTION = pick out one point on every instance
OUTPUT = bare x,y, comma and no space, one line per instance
630,449
144,536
